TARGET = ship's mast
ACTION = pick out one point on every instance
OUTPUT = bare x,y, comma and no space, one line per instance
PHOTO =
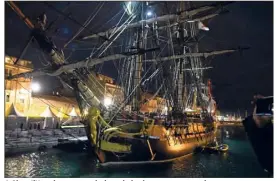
181,64
138,64
137,75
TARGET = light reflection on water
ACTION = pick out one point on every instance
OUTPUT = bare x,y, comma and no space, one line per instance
239,161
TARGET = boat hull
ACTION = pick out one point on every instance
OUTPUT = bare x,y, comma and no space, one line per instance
150,140
158,149
177,147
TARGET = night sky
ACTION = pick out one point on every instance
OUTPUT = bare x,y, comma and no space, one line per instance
235,77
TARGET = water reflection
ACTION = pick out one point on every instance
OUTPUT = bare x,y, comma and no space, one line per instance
239,161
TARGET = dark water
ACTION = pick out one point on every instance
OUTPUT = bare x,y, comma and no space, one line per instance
239,161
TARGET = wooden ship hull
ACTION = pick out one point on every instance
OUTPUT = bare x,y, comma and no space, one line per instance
161,150
155,143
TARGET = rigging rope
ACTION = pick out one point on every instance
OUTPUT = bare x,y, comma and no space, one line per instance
124,27
69,17
87,22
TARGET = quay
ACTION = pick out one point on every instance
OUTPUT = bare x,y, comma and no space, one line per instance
20,141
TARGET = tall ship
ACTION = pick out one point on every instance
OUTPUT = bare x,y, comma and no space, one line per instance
157,62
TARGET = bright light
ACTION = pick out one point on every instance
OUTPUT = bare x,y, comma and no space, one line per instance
165,108
35,87
86,112
149,13
107,101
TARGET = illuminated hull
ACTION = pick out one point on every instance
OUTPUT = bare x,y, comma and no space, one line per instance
180,147
161,149
156,148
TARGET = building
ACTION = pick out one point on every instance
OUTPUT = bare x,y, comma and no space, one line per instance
148,105
111,90
18,93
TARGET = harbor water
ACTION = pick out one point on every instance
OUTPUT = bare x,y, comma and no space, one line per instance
239,161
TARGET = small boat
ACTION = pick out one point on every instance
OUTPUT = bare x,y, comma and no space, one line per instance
214,149
223,148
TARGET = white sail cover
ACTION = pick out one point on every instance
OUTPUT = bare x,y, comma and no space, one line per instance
47,113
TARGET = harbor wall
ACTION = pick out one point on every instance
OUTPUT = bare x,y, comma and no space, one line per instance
12,123
22,140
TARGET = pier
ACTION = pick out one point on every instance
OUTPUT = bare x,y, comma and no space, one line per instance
21,141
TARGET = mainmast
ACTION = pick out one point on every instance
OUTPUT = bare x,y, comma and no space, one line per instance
181,63
137,75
